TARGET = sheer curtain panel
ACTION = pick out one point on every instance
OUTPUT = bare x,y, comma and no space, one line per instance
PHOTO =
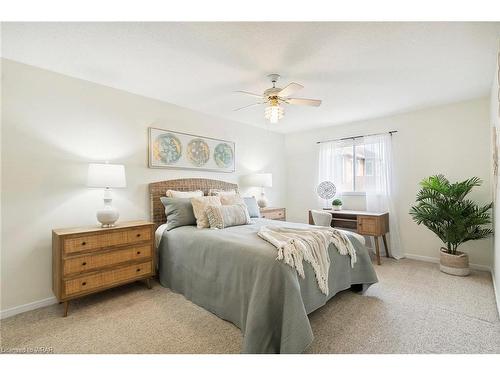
379,185
330,167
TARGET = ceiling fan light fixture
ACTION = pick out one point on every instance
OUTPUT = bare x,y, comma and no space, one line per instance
274,113
274,98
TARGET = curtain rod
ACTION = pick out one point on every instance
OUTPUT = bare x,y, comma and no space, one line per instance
356,136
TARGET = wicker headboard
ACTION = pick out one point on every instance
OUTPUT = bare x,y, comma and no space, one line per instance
158,189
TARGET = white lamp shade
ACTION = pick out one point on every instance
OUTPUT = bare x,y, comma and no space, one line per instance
259,179
106,176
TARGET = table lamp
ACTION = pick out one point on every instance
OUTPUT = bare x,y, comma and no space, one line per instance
261,180
107,176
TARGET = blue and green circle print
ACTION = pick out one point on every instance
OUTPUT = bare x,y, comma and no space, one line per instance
168,148
223,155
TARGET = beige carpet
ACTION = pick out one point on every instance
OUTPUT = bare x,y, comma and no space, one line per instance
413,309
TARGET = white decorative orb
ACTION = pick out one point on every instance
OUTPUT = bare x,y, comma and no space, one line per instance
326,190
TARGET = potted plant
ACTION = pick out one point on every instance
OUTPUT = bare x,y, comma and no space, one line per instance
337,204
444,208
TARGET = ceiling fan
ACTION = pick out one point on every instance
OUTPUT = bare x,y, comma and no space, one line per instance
275,97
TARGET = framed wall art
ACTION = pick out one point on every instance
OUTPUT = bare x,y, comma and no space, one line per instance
170,149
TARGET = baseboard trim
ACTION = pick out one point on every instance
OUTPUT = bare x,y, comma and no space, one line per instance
496,292
27,307
479,267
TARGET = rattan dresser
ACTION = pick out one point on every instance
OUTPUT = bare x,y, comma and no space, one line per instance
91,259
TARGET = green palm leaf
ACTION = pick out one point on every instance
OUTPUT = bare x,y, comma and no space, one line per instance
443,207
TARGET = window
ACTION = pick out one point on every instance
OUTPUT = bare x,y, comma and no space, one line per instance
355,168
354,165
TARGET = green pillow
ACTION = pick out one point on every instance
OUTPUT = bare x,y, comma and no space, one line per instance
179,212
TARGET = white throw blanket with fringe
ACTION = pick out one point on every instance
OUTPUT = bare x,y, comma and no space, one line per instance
310,244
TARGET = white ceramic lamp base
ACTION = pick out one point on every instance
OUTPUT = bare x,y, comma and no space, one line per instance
262,202
108,215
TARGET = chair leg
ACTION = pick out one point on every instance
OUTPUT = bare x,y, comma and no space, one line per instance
388,255
377,249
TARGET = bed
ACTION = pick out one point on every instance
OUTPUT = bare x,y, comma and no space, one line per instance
234,274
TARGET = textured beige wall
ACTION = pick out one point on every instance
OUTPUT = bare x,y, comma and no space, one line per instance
53,125
452,139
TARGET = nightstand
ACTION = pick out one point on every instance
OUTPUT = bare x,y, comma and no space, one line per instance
273,213
91,259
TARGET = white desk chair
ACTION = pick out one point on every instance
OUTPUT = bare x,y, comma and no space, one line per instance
321,218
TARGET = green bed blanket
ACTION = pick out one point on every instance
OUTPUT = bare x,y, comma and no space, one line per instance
234,274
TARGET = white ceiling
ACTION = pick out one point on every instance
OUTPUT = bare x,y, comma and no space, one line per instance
359,70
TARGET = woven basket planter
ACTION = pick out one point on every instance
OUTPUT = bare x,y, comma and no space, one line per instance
457,265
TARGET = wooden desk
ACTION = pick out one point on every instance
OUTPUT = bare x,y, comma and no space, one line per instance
364,223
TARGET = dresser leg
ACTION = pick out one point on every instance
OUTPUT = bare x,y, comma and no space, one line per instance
148,283
66,305
386,247
377,250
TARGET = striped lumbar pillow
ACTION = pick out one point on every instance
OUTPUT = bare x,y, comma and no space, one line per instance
221,217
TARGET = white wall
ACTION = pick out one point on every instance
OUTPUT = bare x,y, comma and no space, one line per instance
495,121
452,139
53,125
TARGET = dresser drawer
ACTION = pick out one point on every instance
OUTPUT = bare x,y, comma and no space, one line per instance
106,278
98,241
92,261
278,214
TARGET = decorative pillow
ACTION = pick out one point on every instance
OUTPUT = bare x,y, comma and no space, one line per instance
184,194
179,212
199,206
252,206
221,217
219,192
229,199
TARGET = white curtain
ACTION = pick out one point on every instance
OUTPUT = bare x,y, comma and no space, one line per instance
330,167
379,185
376,178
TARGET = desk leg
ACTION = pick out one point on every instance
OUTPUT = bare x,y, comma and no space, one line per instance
377,250
66,305
386,247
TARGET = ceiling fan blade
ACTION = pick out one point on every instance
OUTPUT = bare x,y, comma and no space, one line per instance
250,93
247,106
290,89
301,101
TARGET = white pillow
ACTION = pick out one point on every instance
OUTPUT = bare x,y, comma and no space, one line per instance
199,206
220,217
184,194
220,193
230,199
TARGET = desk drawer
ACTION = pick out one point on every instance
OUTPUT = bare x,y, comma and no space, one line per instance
368,225
107,278
98,241
91,261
